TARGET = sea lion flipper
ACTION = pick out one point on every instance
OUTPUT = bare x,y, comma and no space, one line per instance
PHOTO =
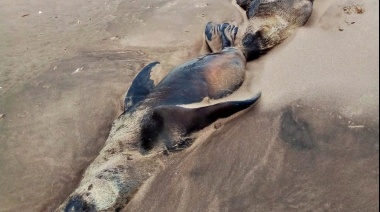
229,32
141,86
213,37
204,116
179,122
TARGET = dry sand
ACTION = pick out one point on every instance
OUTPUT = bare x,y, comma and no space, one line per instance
312,143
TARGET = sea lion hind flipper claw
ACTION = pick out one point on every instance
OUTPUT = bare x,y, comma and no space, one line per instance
141,86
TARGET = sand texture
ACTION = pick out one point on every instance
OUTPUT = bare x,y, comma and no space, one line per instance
310,144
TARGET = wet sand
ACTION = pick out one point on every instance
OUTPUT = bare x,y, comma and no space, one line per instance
312,142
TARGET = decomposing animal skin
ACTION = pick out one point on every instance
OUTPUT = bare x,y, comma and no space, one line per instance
154,123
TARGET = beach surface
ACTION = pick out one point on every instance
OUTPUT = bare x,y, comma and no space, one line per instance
310,144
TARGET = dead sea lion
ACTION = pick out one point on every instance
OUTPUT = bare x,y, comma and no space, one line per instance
154,122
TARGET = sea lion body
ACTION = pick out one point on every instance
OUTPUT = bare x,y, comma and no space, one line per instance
153,121
213,75
152,114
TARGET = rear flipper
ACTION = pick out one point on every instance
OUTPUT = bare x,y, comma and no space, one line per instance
229,32
220,36
177,123
141,86
213,37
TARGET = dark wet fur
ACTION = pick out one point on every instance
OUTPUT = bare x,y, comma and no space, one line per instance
77,204
252,46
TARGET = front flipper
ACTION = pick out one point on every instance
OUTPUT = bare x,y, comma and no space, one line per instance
141,86
177,123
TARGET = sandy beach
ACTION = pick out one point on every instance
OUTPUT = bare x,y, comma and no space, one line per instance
310,144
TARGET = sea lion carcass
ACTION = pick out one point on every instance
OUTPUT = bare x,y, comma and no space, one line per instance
153,121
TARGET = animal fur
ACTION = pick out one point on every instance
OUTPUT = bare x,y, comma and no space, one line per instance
153,123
